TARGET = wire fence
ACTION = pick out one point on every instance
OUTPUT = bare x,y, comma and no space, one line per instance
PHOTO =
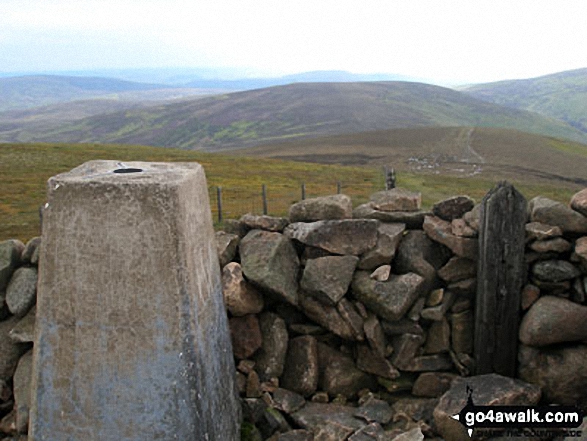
275,200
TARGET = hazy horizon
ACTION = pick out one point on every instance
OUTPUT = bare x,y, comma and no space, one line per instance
453,42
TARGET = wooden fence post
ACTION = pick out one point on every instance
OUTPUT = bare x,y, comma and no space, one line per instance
264,190
303,191
219,202
338,187
501,274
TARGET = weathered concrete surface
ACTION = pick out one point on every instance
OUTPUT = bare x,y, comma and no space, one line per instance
132,340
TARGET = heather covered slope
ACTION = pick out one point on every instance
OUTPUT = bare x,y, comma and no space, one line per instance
295,111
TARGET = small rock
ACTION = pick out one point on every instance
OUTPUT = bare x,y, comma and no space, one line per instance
296,435
288,401
347,236
438,339
553,320
581,252
301,366
24,331
320,397
371,432
253,385
270,261
382,273
374,410
418,409
391,299
403,383
240,297
339,375
373,363
491,389
328,278
539,231
435,297
556,245
375,335
315,415
234,226
403,326
462,331
350,314
414,434
22,391
396,199
326,316
458,268
246,335
437,313
405,348
460,227
264,222
561,373
10,258
226,244
270,359
10,352
433,384
463,287
388,239
440,231
412,219
31,251
579,202
453,208
554,271
416,309
337,206
473,217
530,294
21,292
434,362
549,212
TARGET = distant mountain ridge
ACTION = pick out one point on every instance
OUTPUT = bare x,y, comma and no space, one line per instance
294,111
25,92
562,95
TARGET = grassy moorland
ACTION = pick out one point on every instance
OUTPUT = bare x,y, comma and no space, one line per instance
491,153
562,95
25,168
291,112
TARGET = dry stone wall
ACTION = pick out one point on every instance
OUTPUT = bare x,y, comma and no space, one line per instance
358,324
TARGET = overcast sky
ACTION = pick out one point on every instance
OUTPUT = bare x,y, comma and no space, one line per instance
450,41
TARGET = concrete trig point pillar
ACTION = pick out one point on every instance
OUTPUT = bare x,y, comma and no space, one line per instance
132,340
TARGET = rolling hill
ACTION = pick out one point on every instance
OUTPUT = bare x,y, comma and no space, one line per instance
491,153
294,111
562,95
25,92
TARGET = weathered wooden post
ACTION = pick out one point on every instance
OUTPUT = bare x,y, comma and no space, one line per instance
303,191
500,276
132,340
338,187
219,202
389,178
264,194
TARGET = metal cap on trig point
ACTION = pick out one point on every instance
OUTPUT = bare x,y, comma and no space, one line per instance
132,340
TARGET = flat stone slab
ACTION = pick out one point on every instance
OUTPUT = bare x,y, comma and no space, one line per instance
338,206
347,236
396,199
554,213
132,339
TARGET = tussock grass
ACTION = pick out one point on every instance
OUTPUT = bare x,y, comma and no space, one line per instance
25,168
